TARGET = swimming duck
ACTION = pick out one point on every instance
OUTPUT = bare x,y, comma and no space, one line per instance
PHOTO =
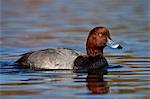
64,58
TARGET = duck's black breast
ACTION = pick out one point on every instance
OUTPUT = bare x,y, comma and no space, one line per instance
91,62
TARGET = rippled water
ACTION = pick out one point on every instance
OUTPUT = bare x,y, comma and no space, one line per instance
37,24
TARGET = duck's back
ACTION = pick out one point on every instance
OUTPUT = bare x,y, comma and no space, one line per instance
49,59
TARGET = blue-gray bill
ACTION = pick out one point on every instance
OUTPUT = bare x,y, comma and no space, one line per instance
112,44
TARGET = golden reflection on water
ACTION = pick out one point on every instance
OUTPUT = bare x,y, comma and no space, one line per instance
20,92
21,84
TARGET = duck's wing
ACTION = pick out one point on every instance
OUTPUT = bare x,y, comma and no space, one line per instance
23,59
60,58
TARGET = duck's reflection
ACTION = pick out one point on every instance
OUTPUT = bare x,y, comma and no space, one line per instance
96,83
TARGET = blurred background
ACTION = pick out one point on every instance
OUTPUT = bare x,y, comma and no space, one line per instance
31,24
28,25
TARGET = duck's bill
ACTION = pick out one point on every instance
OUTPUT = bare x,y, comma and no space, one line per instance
112,44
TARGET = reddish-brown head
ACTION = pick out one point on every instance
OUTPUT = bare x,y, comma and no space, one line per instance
98,38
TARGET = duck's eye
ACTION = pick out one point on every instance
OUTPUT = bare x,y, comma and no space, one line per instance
100,34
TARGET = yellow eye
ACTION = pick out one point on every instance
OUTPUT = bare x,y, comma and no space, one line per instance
100,34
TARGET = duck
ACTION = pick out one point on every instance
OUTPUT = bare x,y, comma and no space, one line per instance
65,58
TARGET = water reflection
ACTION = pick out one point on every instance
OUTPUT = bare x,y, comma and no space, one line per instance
95,82
95,77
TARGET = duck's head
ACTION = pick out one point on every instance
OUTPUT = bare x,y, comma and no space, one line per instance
98,39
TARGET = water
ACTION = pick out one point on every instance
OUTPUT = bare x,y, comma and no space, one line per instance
28,25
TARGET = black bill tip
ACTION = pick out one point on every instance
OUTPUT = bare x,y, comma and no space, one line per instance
119,47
